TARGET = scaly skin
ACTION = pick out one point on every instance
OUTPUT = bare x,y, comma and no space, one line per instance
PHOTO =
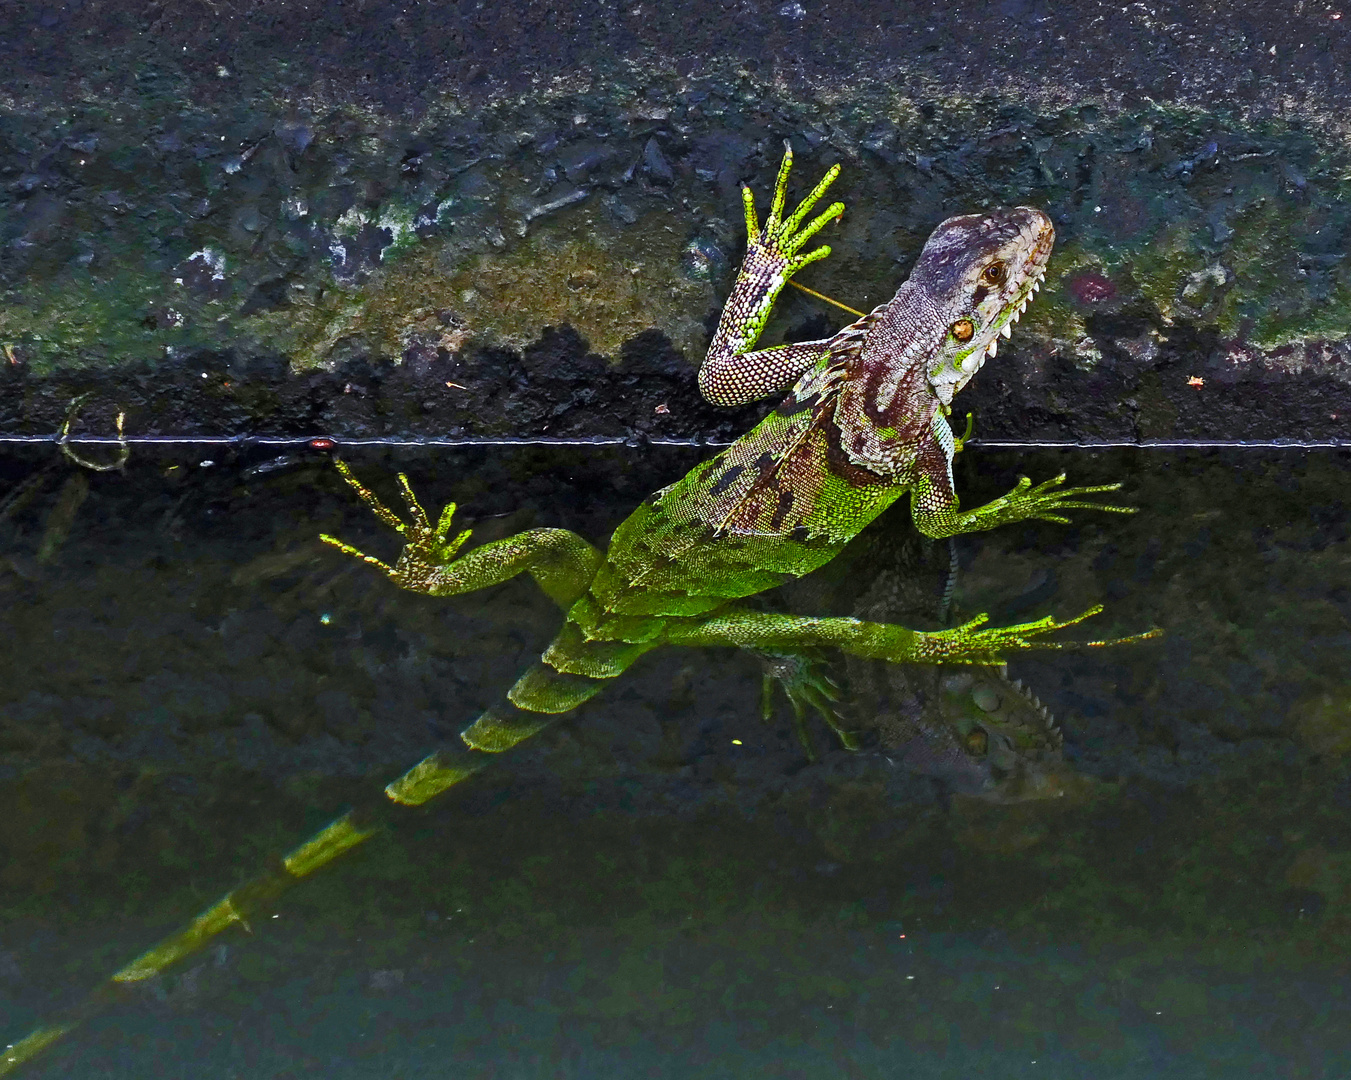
864,423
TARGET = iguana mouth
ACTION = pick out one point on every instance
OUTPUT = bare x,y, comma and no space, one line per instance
1025,249
972,361
1015,312
1036,261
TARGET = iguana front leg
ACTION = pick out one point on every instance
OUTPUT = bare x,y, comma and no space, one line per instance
731,374
560,561
965,644
933,500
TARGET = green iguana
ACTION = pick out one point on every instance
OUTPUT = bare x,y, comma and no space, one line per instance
864,423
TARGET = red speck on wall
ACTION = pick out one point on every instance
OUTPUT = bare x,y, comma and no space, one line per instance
1092,288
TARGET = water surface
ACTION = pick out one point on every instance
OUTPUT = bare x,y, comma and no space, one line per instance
662,885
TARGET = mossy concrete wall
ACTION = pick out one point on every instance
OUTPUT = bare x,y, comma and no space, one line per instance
262,219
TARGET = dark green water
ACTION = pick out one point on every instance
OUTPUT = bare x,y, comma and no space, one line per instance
663,886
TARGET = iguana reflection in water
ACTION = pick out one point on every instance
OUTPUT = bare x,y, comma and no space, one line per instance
974,729
865,422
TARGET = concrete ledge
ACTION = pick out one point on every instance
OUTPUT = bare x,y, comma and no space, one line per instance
397,223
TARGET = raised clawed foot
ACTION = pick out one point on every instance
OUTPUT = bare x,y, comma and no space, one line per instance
806,686
959,444
969,644
781,239
427,549
1048,499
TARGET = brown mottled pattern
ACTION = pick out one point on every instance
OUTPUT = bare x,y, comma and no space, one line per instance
781,457
885,402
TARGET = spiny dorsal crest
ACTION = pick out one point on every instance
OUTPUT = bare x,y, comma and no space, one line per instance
1052,729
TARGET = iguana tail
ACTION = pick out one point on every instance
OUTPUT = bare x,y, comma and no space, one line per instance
538,698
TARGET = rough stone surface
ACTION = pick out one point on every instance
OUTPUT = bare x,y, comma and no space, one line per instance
403,199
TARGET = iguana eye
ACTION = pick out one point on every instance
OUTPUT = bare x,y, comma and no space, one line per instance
994,274
977,742
963,329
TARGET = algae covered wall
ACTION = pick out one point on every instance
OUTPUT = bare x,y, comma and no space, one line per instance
375,221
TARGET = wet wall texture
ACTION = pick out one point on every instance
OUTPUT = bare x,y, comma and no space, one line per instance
369,219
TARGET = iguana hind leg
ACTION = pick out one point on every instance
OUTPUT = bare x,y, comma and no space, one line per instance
560,561
970,643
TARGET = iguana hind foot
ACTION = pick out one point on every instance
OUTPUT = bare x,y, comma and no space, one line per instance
968,644
804,682
426,549
965,644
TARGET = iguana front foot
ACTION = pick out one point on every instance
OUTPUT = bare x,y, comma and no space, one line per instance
936,514
731,373
1045,501
780,241
806,686
427,549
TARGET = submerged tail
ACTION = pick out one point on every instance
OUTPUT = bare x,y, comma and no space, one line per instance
540,696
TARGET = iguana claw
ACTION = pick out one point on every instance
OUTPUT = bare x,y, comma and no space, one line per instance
805,685
426,548
958,445
781,240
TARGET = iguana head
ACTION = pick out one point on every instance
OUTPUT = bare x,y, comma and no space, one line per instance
979,271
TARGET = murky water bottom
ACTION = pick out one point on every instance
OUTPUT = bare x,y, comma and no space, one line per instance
663,885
